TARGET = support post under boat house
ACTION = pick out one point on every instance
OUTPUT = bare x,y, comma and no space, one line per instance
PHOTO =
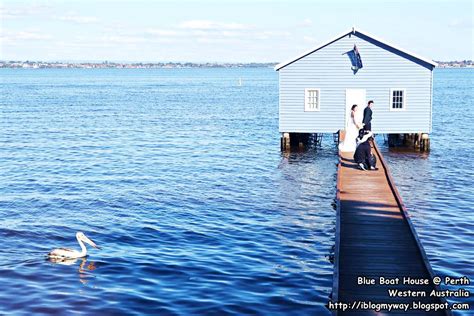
318,87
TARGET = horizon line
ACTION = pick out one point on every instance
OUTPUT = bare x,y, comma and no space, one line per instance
78,61
132,61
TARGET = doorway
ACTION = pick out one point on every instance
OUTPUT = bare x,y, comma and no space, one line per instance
355,96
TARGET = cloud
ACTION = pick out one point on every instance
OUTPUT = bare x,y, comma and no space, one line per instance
209,33
461,23
211,25
162,32
309,39
203,31
23,12
78,19
84,44
133,39
10,14
231,34
123,39
43,12
265,35
30,35
306,23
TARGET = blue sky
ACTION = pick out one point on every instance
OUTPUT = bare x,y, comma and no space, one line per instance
225,31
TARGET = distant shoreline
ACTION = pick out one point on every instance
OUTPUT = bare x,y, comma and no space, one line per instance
169,65
138,65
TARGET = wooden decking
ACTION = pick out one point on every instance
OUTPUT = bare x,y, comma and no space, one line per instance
375,238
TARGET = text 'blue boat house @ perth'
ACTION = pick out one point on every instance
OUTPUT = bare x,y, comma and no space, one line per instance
318,88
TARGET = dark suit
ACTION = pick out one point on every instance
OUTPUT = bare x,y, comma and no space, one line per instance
367,119
363,155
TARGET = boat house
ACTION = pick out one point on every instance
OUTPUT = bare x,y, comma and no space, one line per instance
318,88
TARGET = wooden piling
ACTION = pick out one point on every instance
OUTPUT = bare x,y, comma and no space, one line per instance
285,141
425,142
299,141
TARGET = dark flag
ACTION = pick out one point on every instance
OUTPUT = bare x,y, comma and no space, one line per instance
358,63
355,59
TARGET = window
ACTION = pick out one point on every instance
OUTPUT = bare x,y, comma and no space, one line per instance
397,99
311,99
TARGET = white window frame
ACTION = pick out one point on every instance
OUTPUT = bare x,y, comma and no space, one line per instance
404,99
307,107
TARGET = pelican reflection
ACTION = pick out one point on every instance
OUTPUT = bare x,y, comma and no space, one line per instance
85,267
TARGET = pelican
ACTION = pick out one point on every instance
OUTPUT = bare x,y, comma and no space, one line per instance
65,253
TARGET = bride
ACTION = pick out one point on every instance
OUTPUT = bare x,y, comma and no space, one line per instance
354,123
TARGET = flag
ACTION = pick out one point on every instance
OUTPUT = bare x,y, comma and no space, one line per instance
358,59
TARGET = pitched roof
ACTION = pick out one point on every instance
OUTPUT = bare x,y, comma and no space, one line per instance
354,31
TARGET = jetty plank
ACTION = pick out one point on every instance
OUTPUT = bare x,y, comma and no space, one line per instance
375,238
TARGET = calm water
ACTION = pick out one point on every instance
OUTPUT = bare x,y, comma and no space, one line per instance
177,174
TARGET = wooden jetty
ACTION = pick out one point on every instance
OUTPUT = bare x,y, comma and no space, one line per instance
376,238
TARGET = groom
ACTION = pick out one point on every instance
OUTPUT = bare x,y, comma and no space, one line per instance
367,121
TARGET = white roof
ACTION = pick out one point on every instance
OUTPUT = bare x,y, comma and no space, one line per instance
353,30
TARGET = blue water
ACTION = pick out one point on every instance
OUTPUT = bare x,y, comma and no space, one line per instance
178,175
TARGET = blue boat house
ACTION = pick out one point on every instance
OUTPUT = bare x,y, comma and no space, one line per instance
318,87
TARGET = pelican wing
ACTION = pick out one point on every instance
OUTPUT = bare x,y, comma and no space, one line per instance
63,253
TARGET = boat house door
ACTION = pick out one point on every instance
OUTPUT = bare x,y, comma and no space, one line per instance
355,96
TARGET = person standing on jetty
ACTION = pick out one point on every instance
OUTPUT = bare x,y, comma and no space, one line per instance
352,127
367,120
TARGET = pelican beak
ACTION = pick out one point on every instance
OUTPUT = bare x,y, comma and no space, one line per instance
90,242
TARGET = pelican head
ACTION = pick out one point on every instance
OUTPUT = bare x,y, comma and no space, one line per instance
84,238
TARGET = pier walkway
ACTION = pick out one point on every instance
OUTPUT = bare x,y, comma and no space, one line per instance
375,238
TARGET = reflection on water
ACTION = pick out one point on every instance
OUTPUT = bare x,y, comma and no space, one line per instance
410,152
84,269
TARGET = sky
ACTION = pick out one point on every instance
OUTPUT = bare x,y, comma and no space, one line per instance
225,31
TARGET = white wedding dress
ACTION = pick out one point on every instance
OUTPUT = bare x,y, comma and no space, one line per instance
352,131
